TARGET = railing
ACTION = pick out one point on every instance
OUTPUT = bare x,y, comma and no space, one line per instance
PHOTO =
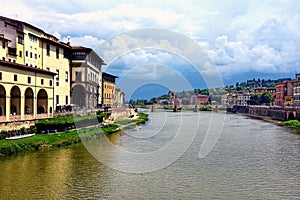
28,117
43,116
14,117
2,118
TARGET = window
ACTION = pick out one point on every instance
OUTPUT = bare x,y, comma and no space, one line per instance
3,58
78,56
50,82
32,38
0,75
57,99
26,53
35,56
20,53
78,76
48,49
67,76
42,81
57,53
15,77
20,39
67,100
30,54
57,75
3,45
29,79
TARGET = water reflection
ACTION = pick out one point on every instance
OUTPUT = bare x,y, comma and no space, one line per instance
252,160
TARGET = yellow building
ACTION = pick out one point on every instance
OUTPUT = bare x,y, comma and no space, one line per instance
31,46
25,92
37,72
108,89
4,47
55,58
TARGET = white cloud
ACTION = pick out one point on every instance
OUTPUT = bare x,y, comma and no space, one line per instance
239,36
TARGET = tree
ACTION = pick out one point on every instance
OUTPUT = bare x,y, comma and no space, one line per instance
153,100
266,98
254,99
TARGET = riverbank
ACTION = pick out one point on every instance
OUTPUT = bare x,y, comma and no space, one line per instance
39,141
291,124
34,143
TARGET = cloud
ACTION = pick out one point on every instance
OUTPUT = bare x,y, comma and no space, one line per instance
239,36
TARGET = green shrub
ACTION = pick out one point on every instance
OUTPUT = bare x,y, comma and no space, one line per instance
23,131
205,108
60,124
292,123
3,134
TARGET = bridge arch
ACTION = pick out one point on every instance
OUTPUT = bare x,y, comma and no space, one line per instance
291,115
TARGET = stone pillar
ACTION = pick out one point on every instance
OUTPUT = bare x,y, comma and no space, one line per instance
35,108
152,108
7,112
22,106
196,109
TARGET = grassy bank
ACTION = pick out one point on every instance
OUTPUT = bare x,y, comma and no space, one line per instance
132,122
38,141
34,143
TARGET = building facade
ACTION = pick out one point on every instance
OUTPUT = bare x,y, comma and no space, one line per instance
30,46
40,74
261,90
108,89
296,91
25,92
86,77
119,98
284,94
199,99
243,99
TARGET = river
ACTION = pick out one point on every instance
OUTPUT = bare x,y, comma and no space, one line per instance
251,159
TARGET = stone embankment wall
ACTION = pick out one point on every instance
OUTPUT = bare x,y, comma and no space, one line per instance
270,112
121,113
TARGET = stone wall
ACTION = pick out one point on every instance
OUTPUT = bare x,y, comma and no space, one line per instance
270,112
121,113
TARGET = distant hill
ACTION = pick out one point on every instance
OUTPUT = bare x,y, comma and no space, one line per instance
215,94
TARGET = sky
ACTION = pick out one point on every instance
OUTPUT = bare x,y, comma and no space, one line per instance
176,44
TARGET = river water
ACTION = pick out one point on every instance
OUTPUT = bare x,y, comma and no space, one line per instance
250,159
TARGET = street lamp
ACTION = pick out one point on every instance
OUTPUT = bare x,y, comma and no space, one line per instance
97,95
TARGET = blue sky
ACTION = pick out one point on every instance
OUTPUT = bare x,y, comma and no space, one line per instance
243,39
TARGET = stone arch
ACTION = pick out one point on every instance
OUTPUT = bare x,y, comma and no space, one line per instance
42,102
15,100
291,116
29,108
2,101
78,95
